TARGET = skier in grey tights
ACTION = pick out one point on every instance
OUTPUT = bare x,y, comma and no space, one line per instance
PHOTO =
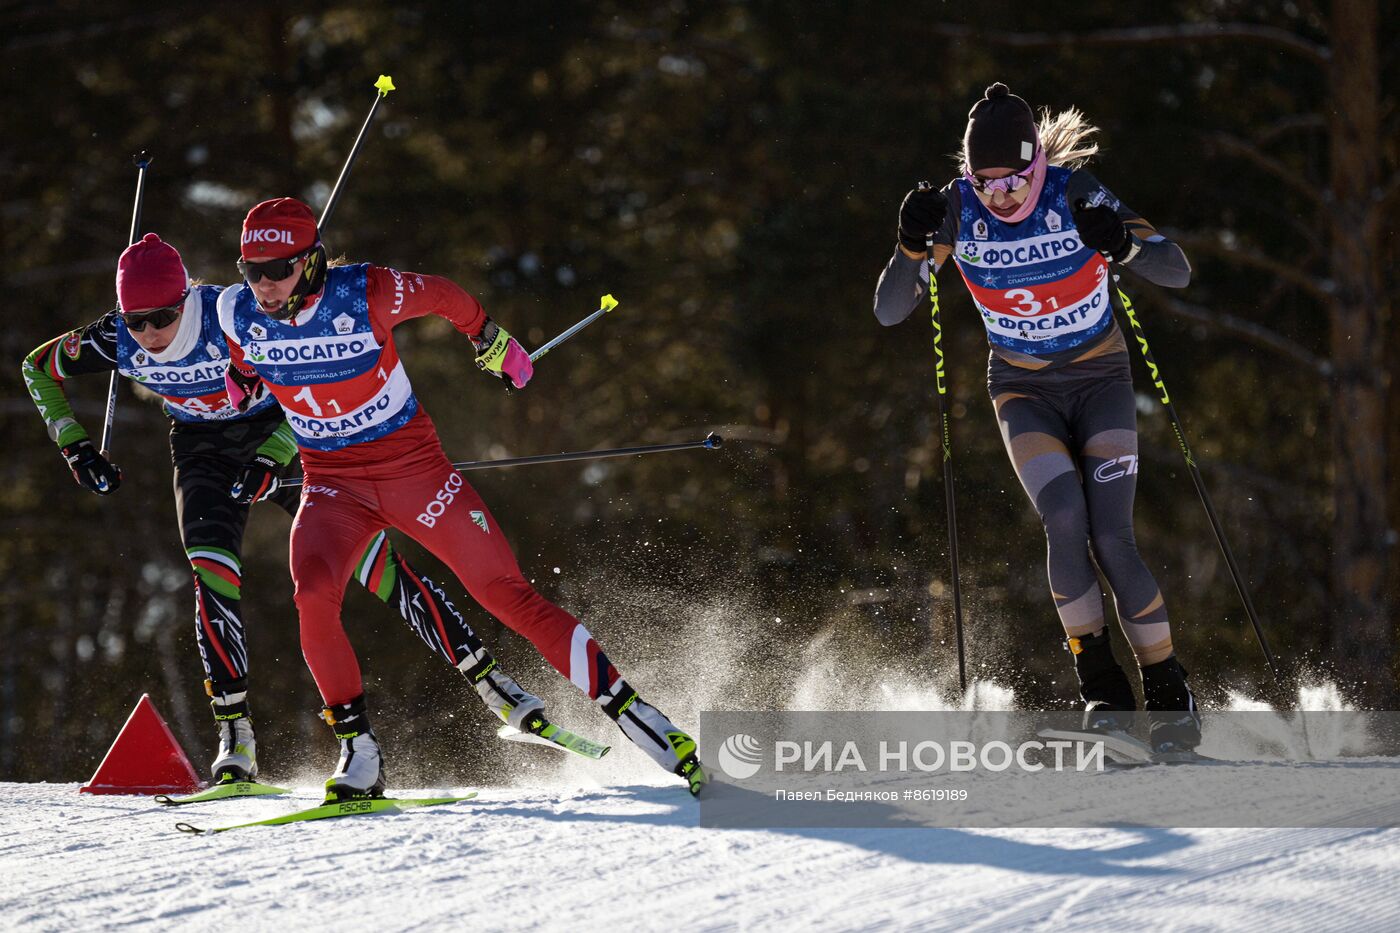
1033,235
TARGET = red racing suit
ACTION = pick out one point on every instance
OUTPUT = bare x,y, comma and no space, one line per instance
373,459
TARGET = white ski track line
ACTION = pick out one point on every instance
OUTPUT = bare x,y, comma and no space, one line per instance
1226,887
1095,908
1060,918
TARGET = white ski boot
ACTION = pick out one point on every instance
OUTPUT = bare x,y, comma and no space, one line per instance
360,770
237,759
654,734
502,695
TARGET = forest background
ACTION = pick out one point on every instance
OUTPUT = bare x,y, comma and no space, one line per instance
731,171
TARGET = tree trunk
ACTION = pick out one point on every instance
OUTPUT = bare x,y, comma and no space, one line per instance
1361,630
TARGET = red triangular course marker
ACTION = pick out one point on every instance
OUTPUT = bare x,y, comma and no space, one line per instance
145,758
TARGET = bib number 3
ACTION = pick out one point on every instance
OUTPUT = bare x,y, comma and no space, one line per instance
1026,305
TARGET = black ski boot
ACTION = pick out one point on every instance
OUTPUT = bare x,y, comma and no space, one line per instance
1107,694
1174,721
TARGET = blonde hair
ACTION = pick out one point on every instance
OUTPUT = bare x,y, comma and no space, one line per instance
1066,138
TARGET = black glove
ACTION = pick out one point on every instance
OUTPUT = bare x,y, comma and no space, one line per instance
1100,228
90,469
921,216
260,478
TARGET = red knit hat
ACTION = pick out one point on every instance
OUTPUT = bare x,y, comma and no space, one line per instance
278,229
150,274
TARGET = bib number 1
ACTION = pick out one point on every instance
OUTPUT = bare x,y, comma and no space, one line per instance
305,397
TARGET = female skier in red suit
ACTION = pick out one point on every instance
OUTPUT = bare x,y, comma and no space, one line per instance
321,340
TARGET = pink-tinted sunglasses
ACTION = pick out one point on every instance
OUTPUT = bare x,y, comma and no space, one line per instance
1008,184
1011,182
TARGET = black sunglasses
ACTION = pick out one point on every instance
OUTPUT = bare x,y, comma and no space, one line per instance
275,269
138,321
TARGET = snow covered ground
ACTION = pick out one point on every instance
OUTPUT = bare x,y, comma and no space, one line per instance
614,845
633,857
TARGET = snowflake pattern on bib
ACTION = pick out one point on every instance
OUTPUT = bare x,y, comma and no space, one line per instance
192,387
1039,289
337,383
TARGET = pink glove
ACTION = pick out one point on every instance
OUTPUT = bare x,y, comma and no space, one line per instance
502,355
517,366
242,388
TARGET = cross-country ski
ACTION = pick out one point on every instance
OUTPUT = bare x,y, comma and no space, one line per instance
331,810
227,791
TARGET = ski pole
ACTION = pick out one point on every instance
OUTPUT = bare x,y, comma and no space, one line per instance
1156,376
606,304
382,87
711,441
941,380
142,162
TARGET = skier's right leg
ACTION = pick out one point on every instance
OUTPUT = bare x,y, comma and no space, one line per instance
1108,696
359,772
424,605
211,530
330,531
463,533
1037,438
331,528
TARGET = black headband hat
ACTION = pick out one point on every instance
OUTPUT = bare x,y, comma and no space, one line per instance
1001,131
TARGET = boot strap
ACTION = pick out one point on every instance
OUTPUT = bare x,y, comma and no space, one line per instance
479,670
225,712
618,704
347,720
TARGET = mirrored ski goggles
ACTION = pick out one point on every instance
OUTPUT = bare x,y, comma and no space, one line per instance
1008,184
276,270
138,321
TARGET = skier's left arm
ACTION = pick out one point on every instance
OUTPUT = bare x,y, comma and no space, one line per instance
395,297
1122,235
90,349
280,446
